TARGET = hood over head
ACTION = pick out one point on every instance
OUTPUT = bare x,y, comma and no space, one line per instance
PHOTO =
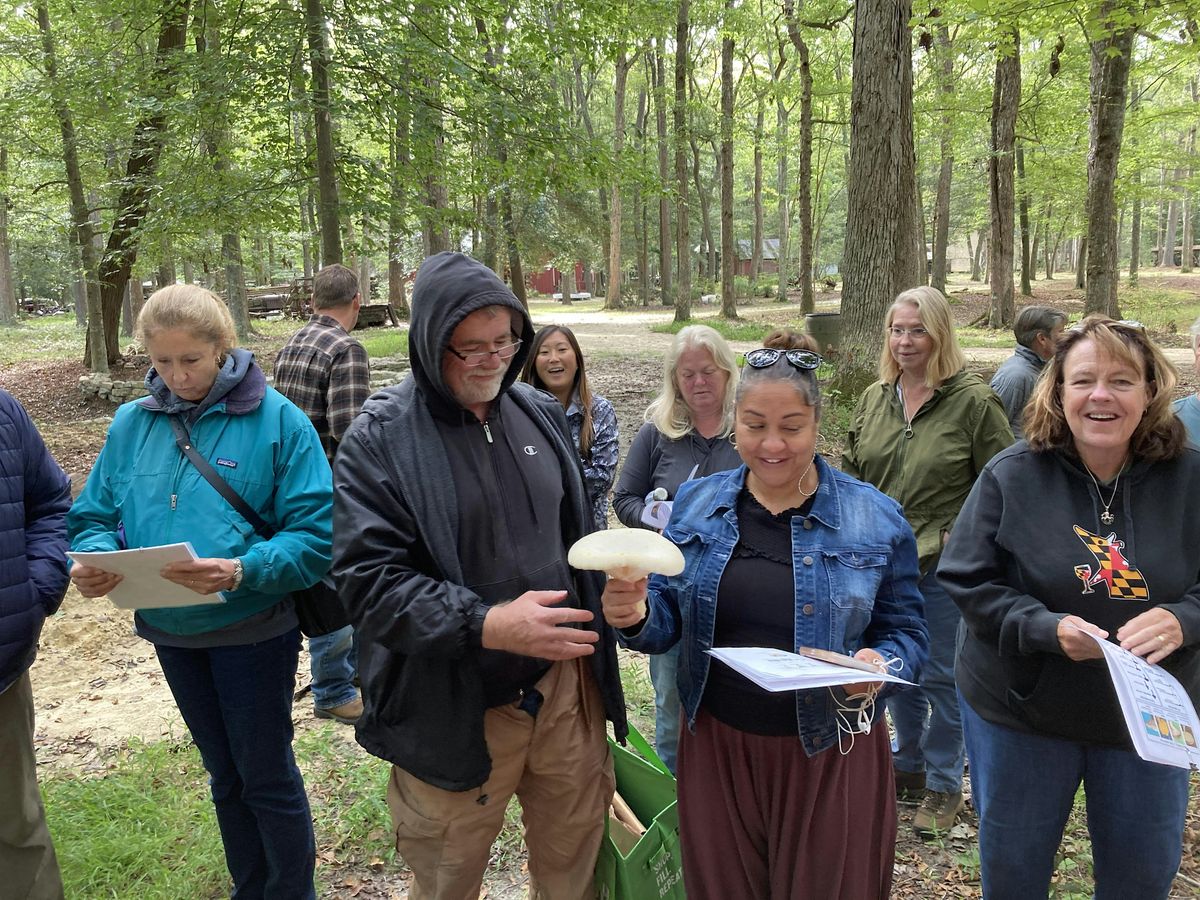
449,287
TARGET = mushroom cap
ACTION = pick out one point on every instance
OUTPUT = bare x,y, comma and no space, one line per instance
626,553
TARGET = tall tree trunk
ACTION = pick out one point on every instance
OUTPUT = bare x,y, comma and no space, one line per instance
781,188
364,259
804,207
640,219
1135,230
728,253
95,354
1006,97
127,311
302,142
941,211
133,201
612,294
683,250
137,298
664,171
883,254
1111,56
706,234
756,239
78,281
8,297
1028,254
1189,195
235,281
328,207
1081,262
216,139
1167,260
397,212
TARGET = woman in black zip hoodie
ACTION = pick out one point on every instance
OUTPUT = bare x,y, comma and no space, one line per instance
1087,529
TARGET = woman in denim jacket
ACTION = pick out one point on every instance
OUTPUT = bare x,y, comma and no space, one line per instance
782,552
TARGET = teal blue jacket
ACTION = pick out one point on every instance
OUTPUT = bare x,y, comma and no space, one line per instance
270,454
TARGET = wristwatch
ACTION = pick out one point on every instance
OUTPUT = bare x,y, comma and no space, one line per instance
238,572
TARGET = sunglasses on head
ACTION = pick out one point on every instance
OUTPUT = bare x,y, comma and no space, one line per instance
765,357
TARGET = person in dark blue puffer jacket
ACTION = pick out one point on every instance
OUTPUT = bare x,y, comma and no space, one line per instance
34,498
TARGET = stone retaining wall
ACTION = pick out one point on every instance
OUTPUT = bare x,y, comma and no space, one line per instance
112,389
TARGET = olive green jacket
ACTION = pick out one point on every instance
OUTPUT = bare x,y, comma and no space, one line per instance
954,435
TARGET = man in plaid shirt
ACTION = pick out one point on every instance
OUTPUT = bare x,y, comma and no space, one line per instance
325,372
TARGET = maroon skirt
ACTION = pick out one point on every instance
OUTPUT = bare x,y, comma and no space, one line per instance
760,819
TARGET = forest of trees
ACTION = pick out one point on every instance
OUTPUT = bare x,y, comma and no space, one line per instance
242,142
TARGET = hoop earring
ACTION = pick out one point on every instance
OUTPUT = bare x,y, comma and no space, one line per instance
732,438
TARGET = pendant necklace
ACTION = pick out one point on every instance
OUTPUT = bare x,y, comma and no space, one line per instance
908,419
1106,518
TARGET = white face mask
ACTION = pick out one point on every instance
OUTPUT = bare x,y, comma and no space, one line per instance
854,712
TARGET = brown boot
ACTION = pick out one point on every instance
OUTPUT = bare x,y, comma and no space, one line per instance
937,814
347,713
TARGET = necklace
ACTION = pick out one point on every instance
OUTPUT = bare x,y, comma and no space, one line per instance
1106,517
803,475
908,419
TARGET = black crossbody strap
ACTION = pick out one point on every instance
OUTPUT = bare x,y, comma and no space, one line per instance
183,441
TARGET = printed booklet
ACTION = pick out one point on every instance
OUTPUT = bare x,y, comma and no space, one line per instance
1158,712
778,670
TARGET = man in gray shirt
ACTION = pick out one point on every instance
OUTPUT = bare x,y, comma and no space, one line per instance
1038,329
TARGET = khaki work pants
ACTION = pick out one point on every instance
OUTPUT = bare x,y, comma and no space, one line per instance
28,866
560,768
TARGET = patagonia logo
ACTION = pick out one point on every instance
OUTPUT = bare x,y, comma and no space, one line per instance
228,463
530,450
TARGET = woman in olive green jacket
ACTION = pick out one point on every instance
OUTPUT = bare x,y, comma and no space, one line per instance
921,435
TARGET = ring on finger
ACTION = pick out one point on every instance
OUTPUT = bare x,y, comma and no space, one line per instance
1162,641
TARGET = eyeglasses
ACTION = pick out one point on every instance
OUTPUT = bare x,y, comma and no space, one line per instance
765,357
477,358
915,333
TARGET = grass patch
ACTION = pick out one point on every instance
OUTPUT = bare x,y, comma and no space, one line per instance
1160,308
146,829
1001,338
44,337
384,341
729,329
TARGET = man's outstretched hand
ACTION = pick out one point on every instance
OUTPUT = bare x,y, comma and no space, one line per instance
532,626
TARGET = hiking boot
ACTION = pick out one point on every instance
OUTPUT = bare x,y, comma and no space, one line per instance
346,713
909,785
937,814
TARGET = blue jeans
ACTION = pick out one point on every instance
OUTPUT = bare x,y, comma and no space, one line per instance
237,703
333,665
664,669
1023,787
926,718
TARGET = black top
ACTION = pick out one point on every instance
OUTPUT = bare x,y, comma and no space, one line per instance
1031,546
514,543
756,607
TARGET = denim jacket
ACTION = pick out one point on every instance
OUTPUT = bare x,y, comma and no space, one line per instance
855,569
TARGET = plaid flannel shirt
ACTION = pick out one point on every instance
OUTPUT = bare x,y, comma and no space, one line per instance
325,372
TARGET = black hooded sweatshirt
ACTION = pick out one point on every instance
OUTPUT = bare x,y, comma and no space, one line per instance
435,519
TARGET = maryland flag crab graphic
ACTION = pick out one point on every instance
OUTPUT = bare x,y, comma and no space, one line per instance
1113,570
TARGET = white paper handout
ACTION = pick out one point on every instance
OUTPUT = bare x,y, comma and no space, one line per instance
778,670
1158,712
142,586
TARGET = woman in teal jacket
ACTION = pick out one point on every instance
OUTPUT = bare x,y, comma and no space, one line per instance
231,665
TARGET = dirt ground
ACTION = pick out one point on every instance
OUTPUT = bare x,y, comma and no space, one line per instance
97,685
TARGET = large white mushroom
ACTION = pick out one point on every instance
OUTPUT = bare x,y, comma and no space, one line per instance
627,554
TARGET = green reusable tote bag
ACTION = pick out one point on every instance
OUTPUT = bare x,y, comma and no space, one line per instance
651,868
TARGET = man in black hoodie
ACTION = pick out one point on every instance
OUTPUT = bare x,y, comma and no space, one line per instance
486,667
